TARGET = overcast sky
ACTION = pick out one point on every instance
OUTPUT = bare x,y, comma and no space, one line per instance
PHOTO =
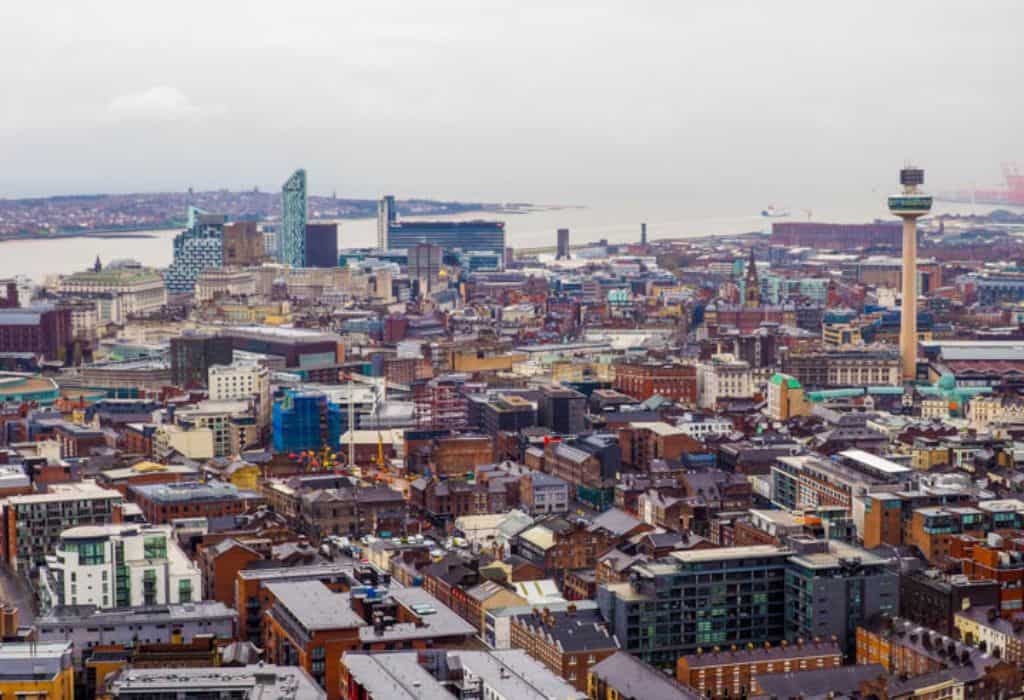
546,101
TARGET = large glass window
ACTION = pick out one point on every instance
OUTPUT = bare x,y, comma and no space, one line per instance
89,553
155,548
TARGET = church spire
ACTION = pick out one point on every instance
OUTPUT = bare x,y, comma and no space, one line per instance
752,286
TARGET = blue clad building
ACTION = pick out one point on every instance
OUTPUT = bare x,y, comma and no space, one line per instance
305,420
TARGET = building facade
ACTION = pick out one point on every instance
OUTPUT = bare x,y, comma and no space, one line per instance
677,382
449,235
137,290
291,236
193,354
240,382
723,377
699,599
197,248
117,566
33,523
321,245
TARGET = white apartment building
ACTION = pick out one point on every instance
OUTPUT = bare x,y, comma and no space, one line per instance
116,566
233,424
723,377
700,427
241,382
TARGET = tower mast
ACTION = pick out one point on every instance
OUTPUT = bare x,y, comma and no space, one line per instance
910,204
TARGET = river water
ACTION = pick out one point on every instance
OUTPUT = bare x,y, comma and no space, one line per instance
39,259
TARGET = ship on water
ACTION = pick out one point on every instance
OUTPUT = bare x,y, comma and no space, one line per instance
774,213
1011,194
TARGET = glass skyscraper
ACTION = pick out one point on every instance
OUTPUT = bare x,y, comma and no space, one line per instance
449,235
291,237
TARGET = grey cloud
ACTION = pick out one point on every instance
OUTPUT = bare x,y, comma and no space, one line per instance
551,101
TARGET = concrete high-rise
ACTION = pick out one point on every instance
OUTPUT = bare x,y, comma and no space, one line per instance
563,244
424,267
291,237
385,218
910,204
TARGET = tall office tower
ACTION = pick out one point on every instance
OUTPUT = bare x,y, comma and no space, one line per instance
197,248
192,356
291,238
643,234
910,204
243,243
425,267
321,245
385,218
563,244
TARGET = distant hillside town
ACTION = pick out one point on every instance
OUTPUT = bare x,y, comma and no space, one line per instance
155,210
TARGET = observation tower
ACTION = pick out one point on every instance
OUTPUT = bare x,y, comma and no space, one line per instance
910,204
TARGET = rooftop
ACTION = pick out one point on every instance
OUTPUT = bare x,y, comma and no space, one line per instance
67,492
190,491
819,683
70,615
315,606
508,673
695,556
769,653
256,682
866,459
633,678
838,553
33,660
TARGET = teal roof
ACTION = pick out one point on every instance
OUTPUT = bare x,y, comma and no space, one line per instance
827,394
791,382
885,390
26,387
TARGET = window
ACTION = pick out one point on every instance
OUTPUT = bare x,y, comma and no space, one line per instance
89,553
185,591
155,548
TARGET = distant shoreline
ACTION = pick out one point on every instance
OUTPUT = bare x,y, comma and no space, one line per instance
134,233
99,233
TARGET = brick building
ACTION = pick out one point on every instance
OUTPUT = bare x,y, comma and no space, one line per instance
723,673
932,599
569,641
42,330
903,647
162,503
643,442
813,234
642,380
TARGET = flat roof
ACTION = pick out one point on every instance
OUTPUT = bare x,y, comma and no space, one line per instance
66,492
438,619
298,572
837,551
256,681
67,615
510,673
886,466
316,606
702,555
